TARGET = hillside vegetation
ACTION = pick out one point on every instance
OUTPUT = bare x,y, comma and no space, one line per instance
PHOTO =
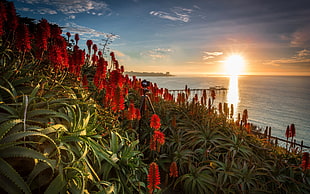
71,121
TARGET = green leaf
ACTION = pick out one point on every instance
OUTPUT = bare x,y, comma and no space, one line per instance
11,91
40,167
35,91
114,142
17,151
8,125
9,109
8,171
57,185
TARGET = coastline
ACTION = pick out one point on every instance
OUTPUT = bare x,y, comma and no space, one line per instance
153,74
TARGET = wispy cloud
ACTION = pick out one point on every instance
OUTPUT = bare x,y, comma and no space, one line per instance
89,32
157,53
39,10
301,37
69,6
300,61
211,55
174,14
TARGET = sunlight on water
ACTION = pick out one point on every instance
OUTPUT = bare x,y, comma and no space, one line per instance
233,94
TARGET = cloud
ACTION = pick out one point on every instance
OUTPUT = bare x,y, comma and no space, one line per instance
211,55
74,28
175,14
301,37
72,17
157,53
39,10
300,60
303,53
70,6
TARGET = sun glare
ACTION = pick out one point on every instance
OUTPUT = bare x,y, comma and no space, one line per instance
234,65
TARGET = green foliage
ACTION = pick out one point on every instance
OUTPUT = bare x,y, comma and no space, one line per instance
57,136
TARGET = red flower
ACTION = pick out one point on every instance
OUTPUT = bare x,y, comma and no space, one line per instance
305,161
290,131
138,114
157,140
293,130
118,100
153,177
155,122
213,94
68,34
131,112
100,54
77,38
43,34
23,38
89,43
116,78
173,170
56,32
3,17
95,48
12,16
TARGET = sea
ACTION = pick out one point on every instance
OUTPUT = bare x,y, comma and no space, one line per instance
271,101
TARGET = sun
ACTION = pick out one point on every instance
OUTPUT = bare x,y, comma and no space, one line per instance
234,64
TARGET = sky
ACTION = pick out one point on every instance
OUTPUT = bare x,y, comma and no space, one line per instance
188,36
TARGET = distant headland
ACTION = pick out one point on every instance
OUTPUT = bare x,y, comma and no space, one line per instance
133,73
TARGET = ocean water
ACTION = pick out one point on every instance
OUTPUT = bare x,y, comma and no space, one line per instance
275,101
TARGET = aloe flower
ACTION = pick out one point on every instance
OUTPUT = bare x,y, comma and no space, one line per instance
23,38
305,161
153,178
76,38
3,17
95,48
89,43
68,35
157,140
42,35
131,115
11,14
155,122
173,170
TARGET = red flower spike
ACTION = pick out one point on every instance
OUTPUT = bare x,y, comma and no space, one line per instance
213,94
42,36
305,161
287,132
293,130
76,38
153,178
89,43
138,114
11,13
131,112
23,38
157,140
100,54
95,48
155,122
3,17
173,170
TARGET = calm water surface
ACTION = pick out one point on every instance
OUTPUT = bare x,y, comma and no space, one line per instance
275,101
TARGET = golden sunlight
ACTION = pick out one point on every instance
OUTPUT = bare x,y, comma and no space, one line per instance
233,93
234,65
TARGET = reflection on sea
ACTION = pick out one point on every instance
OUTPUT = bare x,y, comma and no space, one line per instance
233,93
